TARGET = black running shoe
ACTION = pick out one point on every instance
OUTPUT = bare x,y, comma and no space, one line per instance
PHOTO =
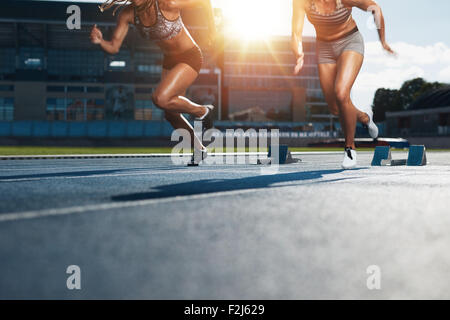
197,157
207,119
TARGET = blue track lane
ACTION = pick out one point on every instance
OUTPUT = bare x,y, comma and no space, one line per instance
145,228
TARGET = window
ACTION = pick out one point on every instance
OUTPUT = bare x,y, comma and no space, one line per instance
78,109
56,109
55,88
6,109
95,89
75,62
33,63
120,61
444,119
143,90
146,110
75,89
149,68
95,109
6,88
118,64
7,60
404,123
148,62
31,58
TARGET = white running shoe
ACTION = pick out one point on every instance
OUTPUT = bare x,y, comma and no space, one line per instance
349,159
371,126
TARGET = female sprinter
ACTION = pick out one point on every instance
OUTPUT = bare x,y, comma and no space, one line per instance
160,21
340,54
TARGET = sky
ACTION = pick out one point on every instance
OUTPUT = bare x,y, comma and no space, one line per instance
418,30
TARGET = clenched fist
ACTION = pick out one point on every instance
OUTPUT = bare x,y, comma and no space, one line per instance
96,35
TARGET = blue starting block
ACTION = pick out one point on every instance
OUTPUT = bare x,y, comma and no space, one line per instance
381,153
284,156
417,156
383,157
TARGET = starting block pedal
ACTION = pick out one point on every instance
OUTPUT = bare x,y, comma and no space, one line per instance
417,156
192,164
284,156
383,157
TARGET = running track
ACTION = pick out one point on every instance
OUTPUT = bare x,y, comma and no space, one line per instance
147,229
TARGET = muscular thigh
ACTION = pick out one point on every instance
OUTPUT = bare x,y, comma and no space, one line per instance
327,75
170,114
348,67
175,82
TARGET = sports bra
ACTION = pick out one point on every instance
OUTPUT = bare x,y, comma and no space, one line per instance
163,28
340,16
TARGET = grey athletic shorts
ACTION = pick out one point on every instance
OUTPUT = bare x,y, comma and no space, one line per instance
330,51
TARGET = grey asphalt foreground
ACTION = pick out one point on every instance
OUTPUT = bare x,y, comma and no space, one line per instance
149,229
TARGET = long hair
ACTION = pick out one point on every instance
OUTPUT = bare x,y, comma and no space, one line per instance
110,3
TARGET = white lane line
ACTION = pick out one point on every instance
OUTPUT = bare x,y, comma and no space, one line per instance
161,172
143,155
117,205
34,214
93,168
77,177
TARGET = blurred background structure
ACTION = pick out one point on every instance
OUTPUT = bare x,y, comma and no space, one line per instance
55,84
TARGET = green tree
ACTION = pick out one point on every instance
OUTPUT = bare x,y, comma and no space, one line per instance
385,100
410,90
429,86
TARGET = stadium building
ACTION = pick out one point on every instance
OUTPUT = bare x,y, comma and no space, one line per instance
429,115
55,83
259,79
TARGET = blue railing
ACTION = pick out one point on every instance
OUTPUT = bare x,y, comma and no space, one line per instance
94,129
138,129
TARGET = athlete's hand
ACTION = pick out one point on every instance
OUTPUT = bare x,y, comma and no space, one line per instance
300,62
300,58
96,35
388,49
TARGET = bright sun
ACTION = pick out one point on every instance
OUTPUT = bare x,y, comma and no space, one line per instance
253,19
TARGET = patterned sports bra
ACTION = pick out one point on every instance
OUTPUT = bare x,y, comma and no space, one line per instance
340,16
163,28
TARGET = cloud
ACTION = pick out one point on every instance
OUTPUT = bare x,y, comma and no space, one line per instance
444,75
408,54
381,70
388,78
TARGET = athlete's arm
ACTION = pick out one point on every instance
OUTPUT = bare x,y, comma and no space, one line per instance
298,21
120,32
375,9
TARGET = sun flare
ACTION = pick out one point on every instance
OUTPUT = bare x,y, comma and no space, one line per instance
252,19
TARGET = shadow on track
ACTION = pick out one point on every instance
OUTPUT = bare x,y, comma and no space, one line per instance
68,174
215,185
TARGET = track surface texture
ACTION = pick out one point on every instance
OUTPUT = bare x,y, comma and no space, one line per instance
149,229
